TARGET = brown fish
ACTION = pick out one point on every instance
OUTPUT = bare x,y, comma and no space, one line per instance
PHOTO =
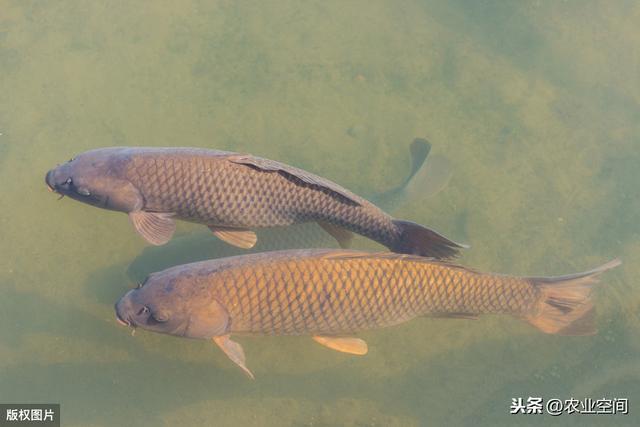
232,194
199,246
332,294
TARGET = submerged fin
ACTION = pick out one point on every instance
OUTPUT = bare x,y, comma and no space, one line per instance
427,177
419,150
234,351
429,180
343,344
245,239
342,235
155,227
565,306
418,240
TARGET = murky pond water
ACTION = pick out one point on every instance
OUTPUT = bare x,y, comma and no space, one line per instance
534,107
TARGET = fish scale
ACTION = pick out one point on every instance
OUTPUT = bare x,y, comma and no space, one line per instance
217,191
332,295
318,295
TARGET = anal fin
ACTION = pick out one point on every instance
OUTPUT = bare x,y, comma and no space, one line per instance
155,227
343,236
468,316
245,239
343,344
234,351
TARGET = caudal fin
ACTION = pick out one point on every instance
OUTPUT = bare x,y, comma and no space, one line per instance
415,239
565,306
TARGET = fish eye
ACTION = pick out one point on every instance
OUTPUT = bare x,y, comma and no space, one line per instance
143,310
69,181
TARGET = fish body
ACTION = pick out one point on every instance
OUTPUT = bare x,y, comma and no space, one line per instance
232,194
198,246
331,294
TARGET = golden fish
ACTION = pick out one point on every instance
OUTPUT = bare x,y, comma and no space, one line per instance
333,294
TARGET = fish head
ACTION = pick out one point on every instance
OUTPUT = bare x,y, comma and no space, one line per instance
172,304
149,306
97,178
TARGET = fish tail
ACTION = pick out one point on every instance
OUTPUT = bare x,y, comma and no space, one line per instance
565,305
414,239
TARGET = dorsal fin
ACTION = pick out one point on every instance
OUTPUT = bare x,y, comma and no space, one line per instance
299,175
342,254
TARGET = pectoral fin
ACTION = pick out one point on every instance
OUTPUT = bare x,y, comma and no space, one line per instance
156,228
245,239
342,235
343,344
234,351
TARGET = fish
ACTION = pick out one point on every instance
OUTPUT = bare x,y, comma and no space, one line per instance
231,193
198,246
332,294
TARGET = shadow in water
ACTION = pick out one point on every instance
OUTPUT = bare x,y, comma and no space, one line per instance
421,391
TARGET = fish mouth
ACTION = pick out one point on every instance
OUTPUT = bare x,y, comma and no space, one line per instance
122,321
48,179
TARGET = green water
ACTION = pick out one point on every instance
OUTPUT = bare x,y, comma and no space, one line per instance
536,106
